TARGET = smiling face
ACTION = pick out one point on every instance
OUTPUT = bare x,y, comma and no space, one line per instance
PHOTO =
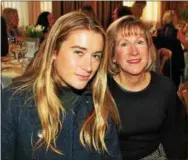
131,54
78,58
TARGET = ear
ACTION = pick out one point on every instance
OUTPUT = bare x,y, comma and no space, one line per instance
113,60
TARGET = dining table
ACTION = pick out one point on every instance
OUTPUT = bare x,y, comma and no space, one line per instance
11,68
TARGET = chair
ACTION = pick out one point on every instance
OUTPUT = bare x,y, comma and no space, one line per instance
164,55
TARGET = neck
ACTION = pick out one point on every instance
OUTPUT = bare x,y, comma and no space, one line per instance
133,82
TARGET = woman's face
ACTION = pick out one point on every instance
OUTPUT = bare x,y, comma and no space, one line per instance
51,20
79,57
14,20
131,54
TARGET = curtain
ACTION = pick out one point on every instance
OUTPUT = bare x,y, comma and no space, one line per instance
56,9
103,9
67,6
34,8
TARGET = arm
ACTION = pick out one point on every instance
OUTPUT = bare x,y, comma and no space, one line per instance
171,132
8,128
112,143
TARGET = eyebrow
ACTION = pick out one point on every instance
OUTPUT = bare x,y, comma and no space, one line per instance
79,47
83,48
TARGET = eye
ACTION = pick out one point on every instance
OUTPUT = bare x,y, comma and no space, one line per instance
124,44
97,56
79,53
141,42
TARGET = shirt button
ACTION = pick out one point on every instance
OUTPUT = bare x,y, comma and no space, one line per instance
39,134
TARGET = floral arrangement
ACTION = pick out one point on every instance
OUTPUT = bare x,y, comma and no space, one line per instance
34,31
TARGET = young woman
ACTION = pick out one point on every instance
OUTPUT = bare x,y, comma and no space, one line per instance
60,108
146,101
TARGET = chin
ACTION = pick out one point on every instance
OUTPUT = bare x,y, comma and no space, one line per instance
79,86
137,72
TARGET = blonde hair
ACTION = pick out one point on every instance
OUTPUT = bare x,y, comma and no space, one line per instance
7,14
128,26
42,77
168,17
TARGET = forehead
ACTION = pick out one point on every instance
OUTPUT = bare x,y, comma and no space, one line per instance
85,38
80,33
129,31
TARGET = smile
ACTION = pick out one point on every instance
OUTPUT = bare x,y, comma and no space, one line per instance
134,61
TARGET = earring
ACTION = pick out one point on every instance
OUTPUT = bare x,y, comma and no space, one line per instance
113,60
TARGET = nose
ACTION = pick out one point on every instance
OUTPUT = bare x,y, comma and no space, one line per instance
86,64
134,50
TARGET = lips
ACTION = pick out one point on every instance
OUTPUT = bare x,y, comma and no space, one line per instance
134,61
83,77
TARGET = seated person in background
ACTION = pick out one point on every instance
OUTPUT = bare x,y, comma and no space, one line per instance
46,19
11,17
4,38
120,12
183,94
146,100
88,10
61,108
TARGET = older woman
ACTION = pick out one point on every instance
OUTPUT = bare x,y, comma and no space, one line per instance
12,20
146,100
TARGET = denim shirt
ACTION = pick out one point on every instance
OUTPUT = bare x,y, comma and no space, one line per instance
21,129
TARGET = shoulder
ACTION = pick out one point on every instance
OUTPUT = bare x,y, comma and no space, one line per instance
110,80
13,97
162,82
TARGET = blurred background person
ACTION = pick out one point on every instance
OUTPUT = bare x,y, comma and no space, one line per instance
167,37
88,10
137,8
183,94
12,20
120,12
45,19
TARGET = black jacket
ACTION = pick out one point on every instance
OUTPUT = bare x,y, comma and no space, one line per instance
21,128
4,38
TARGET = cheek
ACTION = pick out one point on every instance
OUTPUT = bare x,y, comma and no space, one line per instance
96,66
120,54
145,53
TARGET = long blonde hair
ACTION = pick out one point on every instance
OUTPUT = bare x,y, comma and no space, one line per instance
128,26
42,77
